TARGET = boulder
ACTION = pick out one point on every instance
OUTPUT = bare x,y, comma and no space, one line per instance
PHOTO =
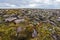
19,20
5,16
10,19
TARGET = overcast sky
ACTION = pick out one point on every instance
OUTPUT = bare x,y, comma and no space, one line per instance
49,4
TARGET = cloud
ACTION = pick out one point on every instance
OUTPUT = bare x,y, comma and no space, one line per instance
57,0
4,5
30,3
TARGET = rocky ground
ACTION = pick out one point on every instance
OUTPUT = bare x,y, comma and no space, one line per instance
29,24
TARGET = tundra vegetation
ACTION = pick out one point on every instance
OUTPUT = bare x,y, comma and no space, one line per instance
29,24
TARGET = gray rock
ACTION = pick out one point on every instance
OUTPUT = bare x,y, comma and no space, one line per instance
5,16
10,19
19,20
14,15
58,19
19,17
34,34
56,36
19,29
52,22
